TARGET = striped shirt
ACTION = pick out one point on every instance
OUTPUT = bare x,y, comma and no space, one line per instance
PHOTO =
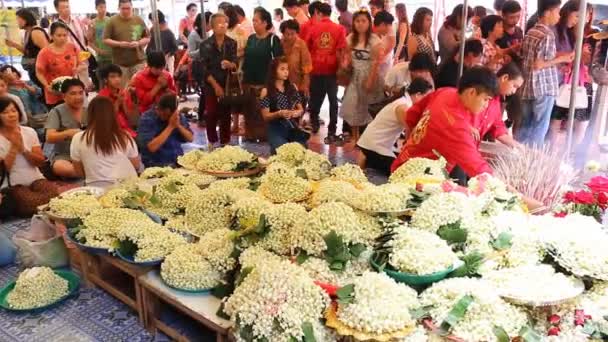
539,43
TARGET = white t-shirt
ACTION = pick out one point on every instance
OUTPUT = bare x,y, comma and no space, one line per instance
22,172
398,76
103,168
381,134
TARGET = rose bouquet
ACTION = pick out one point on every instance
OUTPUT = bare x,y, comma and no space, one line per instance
592,202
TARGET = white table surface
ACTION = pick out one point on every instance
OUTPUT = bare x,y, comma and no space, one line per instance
204,304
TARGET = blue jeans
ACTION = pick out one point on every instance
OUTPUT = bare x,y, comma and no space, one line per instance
536,115
7,250
279,134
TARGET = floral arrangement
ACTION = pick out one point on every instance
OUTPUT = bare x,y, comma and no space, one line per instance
349,173
217,247
239,183
156,172
115,198
76,205
190,159
419,252
147,241
330,190
309,164
226,159
499,197
375,303
100,228
415,168
256,255
208,211
247,211
36,287
382,198
592,202
281,221
186,268
276,301
534,283
57,83
471,309
280,184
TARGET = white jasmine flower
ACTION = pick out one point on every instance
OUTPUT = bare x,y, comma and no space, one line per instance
280,184
382,198
349,173
76,205
224,159
100,228
415,168
36,287
420,252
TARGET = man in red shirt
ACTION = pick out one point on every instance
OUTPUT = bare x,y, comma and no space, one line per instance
124,108
326,41
153,82
443,123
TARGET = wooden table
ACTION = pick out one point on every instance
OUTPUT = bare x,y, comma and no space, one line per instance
201,307
118,278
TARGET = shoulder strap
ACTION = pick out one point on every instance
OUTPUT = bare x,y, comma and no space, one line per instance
272,45
46,35
82,47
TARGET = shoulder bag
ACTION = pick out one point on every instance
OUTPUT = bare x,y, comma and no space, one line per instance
7,203
233,89
565,91
92,61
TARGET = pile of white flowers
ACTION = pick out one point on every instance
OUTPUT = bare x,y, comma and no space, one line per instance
256,255
156,172
174,193
319,222
380,305
36,287
190,159
486,311
319,270
114,198
349,173
240,183
416,168
534,283
282,220
209,211
187,269
280,184
316,166
330,190
274,301
76,205
290,154
495,192
217,247
224,159
100,228
420,252
247,210
153,241
382,198
442,209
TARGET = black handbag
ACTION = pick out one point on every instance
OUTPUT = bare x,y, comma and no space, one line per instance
233,91
8,205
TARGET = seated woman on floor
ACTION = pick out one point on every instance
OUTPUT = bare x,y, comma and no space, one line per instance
24,188
104,153
281,107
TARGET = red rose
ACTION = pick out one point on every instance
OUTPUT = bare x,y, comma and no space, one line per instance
569,197
584,197
602,200
554,319
553,331
560,214
598,184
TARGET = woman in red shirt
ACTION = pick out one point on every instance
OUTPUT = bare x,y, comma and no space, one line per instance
123,106
60,58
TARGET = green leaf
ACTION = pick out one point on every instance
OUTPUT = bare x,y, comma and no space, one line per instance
501,334
302,257
301,173
127,248
345,294
357,249
589,328
309,333
244,273
221,313
336,266
221,291
503,241
528,334
236,253
456,313
472,262
246,333
421,312
154,200
172,187
262,227
452,233
293,339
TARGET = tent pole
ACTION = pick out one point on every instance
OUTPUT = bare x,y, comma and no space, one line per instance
156,26
203,22
578,48
465,9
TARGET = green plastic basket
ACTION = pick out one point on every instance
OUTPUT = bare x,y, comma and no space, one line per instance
413,279
73,285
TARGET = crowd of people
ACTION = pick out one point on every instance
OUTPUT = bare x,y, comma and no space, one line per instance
403,97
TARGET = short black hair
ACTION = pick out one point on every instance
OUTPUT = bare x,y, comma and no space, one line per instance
156,59
291,25
223,5
264,16
239,10
498,5
161,17
304,2
69,83
233,19
313,7
279,12
422,62
190,5
472,46
99,2
110,69
547,5
510,7
324,9
124,2
480,11
58,25
512,70
27,16
482,79
56,2
419,86
168,101
342,5
488,23
383,17
376,3
290,3
12,68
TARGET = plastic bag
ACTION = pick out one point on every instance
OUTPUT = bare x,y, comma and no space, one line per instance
40,245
